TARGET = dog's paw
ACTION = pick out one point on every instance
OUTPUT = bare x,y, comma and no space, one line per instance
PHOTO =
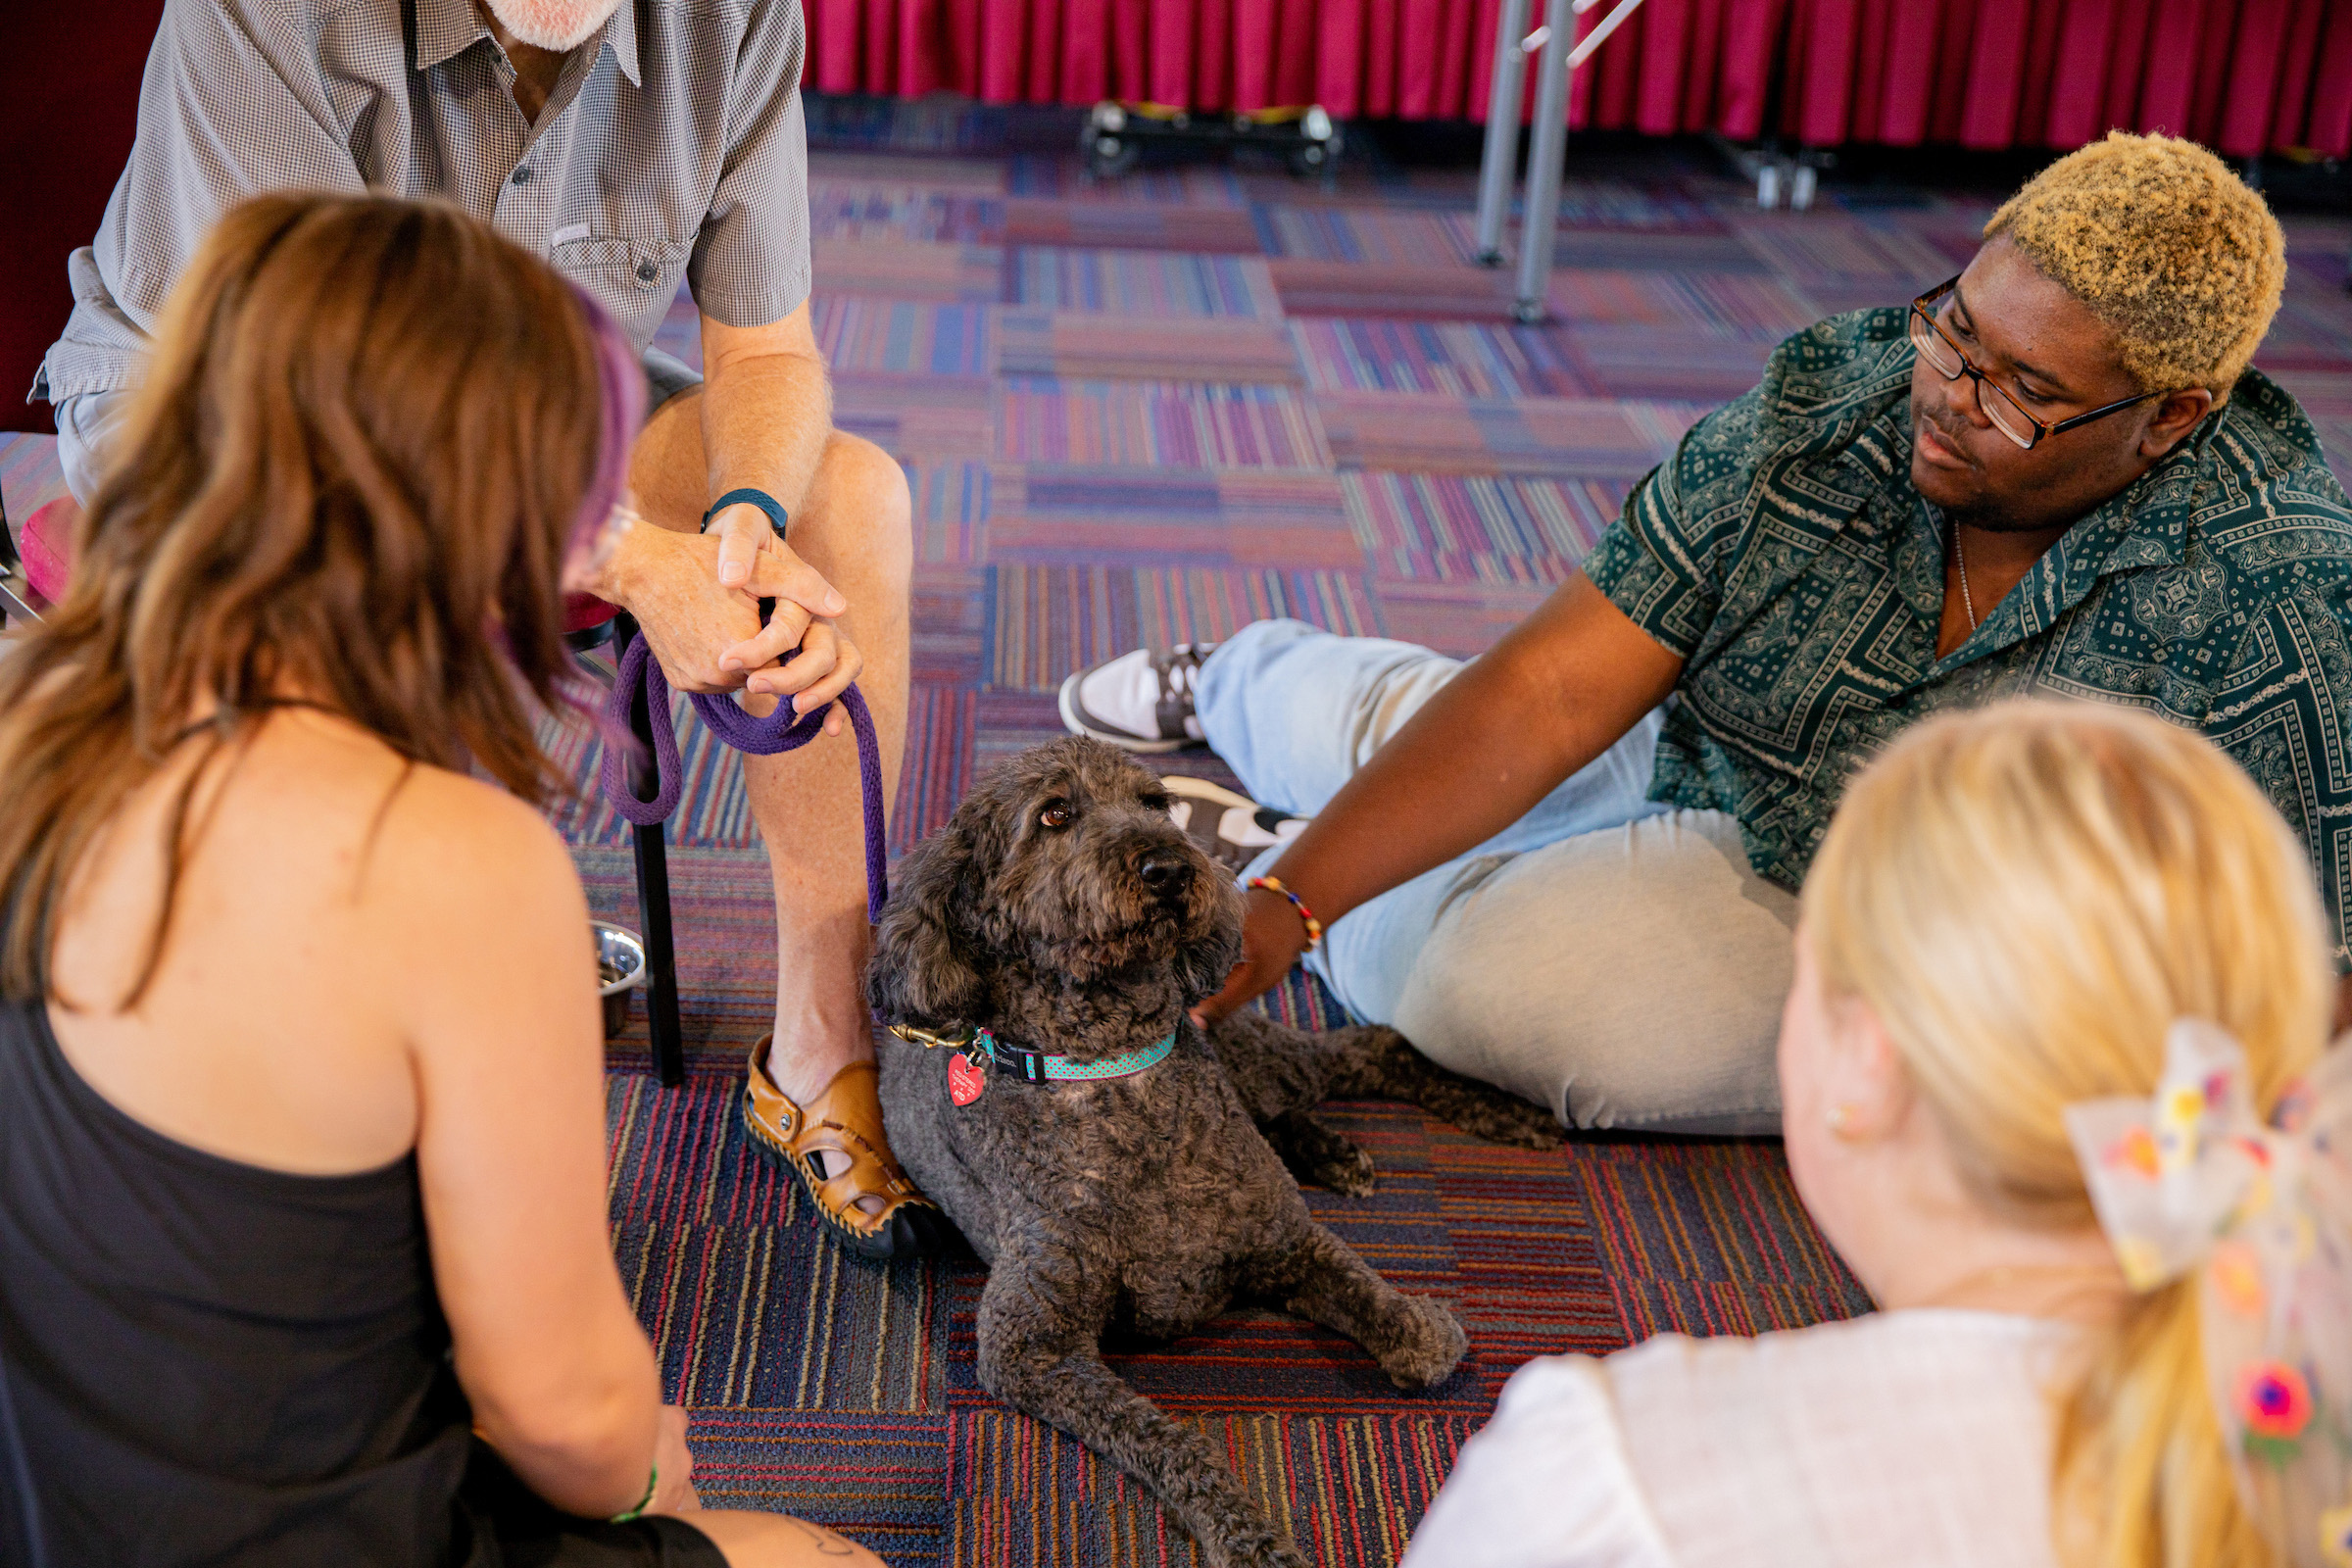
1320,1155
1252,1546
1348,1171
1495,1115
1507,1119
1430,1345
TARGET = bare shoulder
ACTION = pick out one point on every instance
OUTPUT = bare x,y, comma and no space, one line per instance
479,890
464,848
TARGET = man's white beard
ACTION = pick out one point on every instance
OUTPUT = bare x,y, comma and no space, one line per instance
552,23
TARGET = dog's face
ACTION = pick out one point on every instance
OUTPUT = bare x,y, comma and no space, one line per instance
1064,858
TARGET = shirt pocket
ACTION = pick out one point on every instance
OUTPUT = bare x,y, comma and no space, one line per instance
634,278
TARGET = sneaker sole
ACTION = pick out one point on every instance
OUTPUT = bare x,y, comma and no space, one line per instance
1200,789
1126,743
1230,853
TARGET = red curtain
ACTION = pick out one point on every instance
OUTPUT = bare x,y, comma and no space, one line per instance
2242,76
1407,59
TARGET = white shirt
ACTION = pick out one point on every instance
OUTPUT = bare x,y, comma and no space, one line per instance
1920,1438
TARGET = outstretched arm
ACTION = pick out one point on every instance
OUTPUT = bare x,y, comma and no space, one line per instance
1559,689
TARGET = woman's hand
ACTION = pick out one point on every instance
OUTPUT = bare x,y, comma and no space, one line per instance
674,1461
1273,938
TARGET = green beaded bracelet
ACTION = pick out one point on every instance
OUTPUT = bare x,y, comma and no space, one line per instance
653,1484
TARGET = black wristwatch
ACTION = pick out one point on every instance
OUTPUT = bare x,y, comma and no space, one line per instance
776,516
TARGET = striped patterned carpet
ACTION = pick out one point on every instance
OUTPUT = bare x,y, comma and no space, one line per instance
1155,411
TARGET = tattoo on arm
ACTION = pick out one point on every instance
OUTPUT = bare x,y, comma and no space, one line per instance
827,1543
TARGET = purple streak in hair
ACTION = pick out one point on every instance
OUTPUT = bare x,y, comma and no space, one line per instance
620,397
620,383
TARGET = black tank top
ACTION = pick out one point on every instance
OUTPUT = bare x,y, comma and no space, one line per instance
210,1362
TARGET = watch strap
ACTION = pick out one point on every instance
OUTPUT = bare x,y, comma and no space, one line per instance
776,515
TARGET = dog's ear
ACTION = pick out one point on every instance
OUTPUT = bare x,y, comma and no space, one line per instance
1203,965
921,973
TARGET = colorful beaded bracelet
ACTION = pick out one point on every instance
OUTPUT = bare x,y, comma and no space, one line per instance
1314,927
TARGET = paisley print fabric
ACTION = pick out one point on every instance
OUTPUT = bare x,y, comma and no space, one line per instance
1783,553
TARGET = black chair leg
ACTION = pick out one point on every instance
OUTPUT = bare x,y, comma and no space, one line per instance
660,954
652,850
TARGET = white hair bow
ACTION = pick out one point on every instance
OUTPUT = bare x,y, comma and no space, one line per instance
2195,1178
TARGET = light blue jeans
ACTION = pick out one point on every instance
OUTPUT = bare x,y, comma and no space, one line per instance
1612,958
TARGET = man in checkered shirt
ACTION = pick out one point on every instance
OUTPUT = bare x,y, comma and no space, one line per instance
632,143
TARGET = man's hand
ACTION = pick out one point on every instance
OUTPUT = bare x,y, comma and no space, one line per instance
707,634
1273,939
744,534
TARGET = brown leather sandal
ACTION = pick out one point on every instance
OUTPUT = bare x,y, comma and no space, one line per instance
868,1203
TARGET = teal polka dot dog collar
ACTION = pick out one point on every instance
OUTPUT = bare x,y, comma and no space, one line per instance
1029,1066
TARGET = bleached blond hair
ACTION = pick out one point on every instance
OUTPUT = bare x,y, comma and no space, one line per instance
2172,251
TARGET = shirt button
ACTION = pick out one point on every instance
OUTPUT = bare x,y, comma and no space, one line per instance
522,175
646,272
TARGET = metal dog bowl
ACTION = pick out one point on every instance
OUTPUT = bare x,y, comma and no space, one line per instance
619,970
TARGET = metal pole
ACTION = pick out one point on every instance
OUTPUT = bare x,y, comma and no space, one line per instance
1500,161
1539,222
1601,35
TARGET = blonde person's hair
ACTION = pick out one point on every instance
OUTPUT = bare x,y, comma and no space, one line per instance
2028,896
2177,255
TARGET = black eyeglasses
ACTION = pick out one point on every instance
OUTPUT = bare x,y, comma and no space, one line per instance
2007,414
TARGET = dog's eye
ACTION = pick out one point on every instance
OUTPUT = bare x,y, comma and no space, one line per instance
1055,815
1157,802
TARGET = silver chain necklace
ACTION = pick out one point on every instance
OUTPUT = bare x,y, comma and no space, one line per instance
1968,601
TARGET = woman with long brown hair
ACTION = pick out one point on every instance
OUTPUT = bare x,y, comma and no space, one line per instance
302,1237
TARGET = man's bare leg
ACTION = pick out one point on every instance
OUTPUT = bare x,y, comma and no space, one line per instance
856,526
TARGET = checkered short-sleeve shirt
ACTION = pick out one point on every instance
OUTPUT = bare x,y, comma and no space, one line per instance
672,147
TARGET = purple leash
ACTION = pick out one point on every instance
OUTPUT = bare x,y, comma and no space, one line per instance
758,737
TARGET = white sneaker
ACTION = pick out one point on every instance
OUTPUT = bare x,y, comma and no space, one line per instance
1233,828
1141,701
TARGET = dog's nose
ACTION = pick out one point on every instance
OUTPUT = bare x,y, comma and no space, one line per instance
1163,873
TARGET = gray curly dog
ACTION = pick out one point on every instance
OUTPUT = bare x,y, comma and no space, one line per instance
1064,912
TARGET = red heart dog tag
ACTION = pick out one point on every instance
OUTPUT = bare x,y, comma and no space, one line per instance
966,1079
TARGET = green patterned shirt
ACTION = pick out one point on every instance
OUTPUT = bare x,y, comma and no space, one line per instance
1783,555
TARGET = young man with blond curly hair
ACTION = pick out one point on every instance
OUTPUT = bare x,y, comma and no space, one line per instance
1568,866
